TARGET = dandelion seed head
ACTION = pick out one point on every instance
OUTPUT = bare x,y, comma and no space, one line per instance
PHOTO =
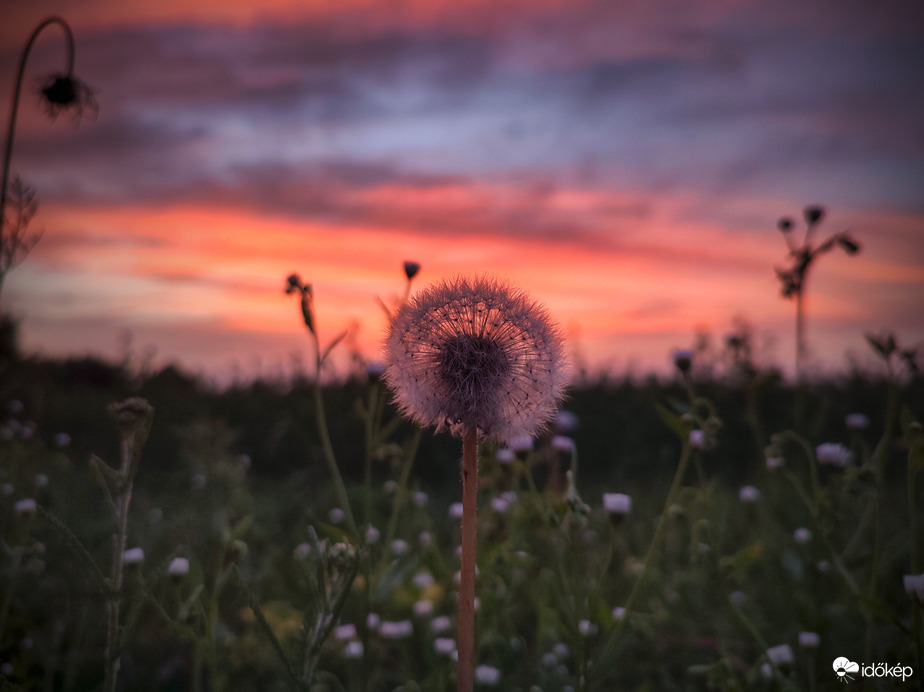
476,354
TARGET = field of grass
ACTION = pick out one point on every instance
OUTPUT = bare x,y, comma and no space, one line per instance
772,530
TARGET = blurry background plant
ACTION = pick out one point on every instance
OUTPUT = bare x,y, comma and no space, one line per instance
802,254
61,92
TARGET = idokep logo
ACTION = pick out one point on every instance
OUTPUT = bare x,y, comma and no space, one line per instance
846,670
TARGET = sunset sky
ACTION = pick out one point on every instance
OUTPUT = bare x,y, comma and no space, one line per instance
623,161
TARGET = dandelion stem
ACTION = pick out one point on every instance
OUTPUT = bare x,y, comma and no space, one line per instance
466,642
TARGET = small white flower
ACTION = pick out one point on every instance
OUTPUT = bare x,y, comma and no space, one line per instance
336,515
749,493
774,463
561,443
505,456
487,675
697,439
422,580
420,498
441,623
566,420
455,510
373,621
344,632
302,550
856,421
521,443
619,613
914,585
809,640
178,567
444,646
780,655
353,650
617,503
26,507
766,670
499,505
423,608
133,556
399,546
372,534
802,535
587,628
832,454
402,629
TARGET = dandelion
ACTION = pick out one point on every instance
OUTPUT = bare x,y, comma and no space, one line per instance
372,535
737,598
425,539
474,357
500,505
40,480
833,454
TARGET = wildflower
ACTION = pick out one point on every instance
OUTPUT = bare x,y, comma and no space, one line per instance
62,440
774,463
411,269
422,608
737,598
587,628
455,510
505,456
302,550
353,650
423,580
561,650
802,535
425,539
487,675
549,659
25,507
683,359
566,421
766,670
619,613
178,567
372,534
399,546
617,505
809,640
780,655
856,421
832,454
336,515
500,505
561,443
40,480
133,556
344,632
476,354
748,494
420,499
401,629
697,439
914,585
373,621
375,370
521,443
813,214
442,645
440,623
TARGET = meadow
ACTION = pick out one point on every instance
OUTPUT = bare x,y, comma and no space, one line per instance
719,529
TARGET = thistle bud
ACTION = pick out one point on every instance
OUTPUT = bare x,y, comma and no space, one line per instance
411,269
814,214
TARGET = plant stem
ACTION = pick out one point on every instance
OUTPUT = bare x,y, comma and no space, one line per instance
466,623
122,501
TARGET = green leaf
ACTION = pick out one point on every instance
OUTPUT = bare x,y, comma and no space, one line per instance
673,421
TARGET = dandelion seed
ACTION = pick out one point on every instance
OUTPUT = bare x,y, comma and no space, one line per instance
411,269
475,354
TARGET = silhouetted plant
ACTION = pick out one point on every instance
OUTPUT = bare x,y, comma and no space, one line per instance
61,92
802,255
